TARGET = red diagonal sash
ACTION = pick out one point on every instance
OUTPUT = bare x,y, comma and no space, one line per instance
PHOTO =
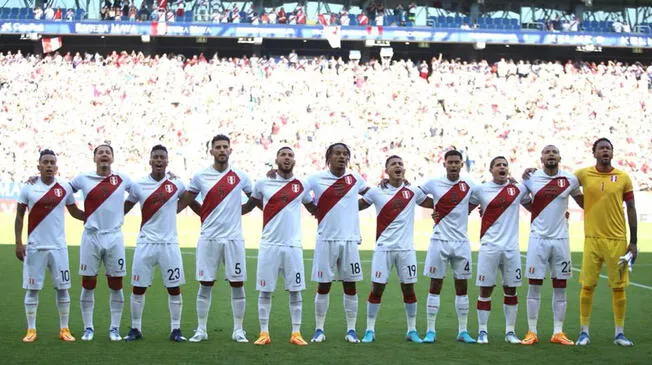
450,200
281,199
333,194
218,192
547,194
100,193
497,206
44,206
392,209
156,200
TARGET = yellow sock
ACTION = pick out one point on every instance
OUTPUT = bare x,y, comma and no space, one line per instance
619,304
586,303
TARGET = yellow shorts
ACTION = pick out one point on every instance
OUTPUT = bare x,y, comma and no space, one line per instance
601,250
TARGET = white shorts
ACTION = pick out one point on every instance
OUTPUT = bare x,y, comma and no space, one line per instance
336,260
55,260
441,253
105,247
404,261
490,262
168,258
548,254
274,260
213,252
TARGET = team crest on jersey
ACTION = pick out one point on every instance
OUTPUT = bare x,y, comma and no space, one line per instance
463,186
348,179
614,178
295,188
58,192
168,188
561,183
113,180
511,191
230,180
406,194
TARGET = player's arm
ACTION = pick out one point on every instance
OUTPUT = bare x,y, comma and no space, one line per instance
186,200
75,212
195,207
472,207
579,199
362,204
311,208
527,206
633,226
128,206
427,203
250,205
18,230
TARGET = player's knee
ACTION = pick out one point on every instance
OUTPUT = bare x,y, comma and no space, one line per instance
323,288
115,282
138,290
207,283
349,288
509,290
236,284
174,291
559,283
587,290
461,287
89,282
409,297
435,286
374,298
538,281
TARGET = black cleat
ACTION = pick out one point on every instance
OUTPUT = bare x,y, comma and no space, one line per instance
133,335
176,336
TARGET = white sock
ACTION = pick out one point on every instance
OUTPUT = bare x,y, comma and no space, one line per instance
510,311
117,301
432,308
533,306
411,315
296,307
175,304
31,304
203,306
372,313
619,330
238,304
321,308
585,329
483,315
63,306
137,305
351,310
264,307
87,305
558,308
462,310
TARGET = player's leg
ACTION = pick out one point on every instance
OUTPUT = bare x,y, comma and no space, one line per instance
209,255
324,264
461,263
561,271
488,262
591,266
269,263
60,272
33,277
536,263
293,272
137,305
116,268
618,281
171,265
89,264
142,268
406,265
435,268
350,271
235,266
380,268
511,273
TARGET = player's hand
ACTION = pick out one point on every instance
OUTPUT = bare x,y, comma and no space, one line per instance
634,251
435,215
31,180
271,174
528,172
20,251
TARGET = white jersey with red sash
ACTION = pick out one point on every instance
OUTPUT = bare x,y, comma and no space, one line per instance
282,200
222,201
45,221
550,202
337,204
451,199
500,209
103,199
395,216
158,205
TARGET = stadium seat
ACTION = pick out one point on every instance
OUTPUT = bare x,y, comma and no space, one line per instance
430,21
441,20
4,13
353,20
13,13
79,14
389,19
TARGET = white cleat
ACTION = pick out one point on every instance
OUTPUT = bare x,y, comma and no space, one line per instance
510,337
88,335
319,336
114,334
199,336
239,336
483,337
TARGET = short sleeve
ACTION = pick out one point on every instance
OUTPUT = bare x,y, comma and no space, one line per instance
580,174
247,186
362,184
181,188
76,183
369,196
257,192
306,197
195,184
23,196
70,197
575,186
628,188
419,195
475,196
134,192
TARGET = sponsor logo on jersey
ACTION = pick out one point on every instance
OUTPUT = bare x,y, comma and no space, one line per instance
113,180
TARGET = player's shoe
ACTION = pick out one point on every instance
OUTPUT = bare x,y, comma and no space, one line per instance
133,335
66,336
413,336
510,337
483,337
114,334
621,340
176,336
562,339
531,338
351,337
30,336
369,337
88,334
297,339
263,339
583,340
200,335
319,336
239,336
465,337
430,337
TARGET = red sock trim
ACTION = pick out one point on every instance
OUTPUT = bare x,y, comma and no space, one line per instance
410,298
373,298
484,306
511,300
558,283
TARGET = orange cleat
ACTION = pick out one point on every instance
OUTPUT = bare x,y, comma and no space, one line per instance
31,335
530,338
65,335
263,339
296,339
561,339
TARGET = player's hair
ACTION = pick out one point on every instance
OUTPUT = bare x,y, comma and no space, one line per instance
391,157
102,145
329,150
284,148
220,137
603,139
46,152
452,153
159,147
493,161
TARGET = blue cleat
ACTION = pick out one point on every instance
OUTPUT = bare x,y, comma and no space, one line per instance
431,337
351,337
465,337
133,335
621,340
319,336
583,340
176,336
413,336
369,337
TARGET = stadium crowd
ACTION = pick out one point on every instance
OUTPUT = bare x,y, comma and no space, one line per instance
73,102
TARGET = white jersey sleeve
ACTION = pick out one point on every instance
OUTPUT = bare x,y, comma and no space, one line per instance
158,202
550,202
103,199
46,210
282,199
394,216
500,206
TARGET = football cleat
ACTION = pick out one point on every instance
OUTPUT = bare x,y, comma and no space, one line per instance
530,338
239,336
88,334
430,337
263,339
30,336
465,337
200,335
351,337
65,335
561,339
133,335
621,340
583,340
297,339
369,337
483,337
413,336
510,337
114,334
176,336
319,336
